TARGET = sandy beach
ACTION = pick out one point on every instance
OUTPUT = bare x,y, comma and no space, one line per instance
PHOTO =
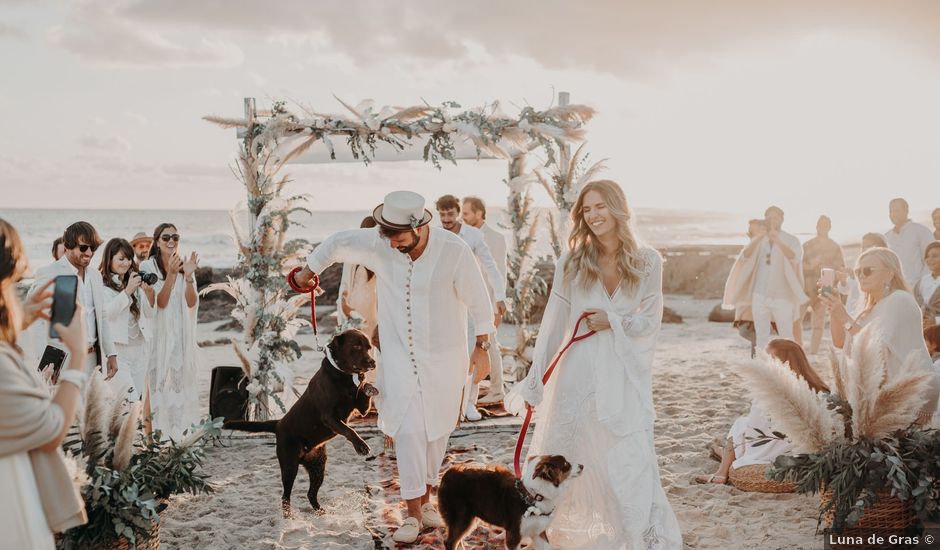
697,396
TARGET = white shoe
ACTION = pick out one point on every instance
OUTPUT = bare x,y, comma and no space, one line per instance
408,532
430,517
472,414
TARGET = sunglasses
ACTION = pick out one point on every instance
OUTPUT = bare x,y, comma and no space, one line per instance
167,238
865,271
85,247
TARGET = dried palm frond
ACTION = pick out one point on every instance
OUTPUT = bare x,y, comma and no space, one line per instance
410,113
226,122
899,400
794,408
246,363
124,443
866,373
578,113
837,365
96,424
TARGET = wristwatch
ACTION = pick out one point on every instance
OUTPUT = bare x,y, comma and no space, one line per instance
484,345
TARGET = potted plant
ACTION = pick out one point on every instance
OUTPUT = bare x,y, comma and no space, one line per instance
859,446
124,477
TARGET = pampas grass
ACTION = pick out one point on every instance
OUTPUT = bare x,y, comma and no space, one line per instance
837,366
124,443
96,420
864,377
898,401
794,407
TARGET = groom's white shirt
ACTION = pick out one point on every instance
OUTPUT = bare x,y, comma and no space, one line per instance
422,311
90,295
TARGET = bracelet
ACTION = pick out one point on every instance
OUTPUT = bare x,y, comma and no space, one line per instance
191,281
75,377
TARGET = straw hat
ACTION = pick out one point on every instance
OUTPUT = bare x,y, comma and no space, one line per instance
141,236
402,210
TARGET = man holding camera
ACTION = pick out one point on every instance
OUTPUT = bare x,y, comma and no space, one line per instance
81,240
767,277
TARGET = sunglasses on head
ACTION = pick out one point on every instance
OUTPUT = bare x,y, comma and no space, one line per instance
85,247
865,271
167,238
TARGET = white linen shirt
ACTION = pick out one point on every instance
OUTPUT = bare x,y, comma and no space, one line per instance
497,243
928,285
910,244
477,243
422,310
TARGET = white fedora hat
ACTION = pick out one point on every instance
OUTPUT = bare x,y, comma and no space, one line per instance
402,210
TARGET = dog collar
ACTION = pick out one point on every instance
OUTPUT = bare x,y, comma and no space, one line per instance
329,357
531,500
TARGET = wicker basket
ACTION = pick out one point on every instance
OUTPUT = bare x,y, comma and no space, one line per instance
753,478
888,514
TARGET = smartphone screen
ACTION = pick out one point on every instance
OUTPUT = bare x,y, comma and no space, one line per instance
63,301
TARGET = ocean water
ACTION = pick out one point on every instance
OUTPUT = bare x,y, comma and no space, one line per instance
209,232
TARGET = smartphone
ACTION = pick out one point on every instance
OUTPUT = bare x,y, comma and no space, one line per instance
55,357
827,280
63,301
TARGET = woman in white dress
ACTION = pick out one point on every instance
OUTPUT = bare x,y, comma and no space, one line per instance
889,312
597,409
174,395
39,498
740,449
129,310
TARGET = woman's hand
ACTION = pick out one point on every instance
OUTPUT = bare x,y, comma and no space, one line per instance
112,367
176,263
837,311
133,283
597,320
347,311
38,305
73,335
190,265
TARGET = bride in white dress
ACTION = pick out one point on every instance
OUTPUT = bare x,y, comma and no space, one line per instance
597,409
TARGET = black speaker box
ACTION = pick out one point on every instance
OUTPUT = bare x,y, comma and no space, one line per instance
228,396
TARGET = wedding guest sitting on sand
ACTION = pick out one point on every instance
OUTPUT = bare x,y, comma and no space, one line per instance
932,339
891,312
927,289
39,498
908,239
58,248
740,449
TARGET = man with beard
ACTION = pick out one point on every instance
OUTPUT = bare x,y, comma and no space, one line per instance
81,240
428,281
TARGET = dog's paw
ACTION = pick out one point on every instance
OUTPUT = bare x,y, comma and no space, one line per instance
362,448
369,390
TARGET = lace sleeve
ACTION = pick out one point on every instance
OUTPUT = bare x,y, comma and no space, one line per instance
648,316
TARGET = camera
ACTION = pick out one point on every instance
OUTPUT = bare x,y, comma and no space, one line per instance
149,278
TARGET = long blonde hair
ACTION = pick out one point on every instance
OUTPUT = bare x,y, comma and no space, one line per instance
585,249
890,261
12,267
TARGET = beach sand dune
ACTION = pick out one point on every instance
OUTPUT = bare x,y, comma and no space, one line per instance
697,396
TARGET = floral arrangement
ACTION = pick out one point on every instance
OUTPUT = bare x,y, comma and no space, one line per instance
858,441
124,477
263,303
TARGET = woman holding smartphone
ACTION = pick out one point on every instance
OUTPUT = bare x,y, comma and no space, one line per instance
128,306
39,498
173,389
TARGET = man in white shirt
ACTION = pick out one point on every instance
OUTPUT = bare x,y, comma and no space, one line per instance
448,210
427,283
909,240
927,290
767,276
474,214
81,240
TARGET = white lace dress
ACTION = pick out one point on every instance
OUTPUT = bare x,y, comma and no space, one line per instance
174,392
597,411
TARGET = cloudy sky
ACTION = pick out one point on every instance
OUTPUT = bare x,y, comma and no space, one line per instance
726,105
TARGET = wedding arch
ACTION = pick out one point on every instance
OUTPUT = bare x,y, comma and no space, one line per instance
270,139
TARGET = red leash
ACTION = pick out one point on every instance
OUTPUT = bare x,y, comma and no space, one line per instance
548,374
312,290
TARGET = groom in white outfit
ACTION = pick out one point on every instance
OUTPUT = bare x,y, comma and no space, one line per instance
427,282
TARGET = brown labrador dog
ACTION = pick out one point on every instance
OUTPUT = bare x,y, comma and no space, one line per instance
321,414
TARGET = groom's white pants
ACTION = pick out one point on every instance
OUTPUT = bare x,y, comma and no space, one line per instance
419,460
